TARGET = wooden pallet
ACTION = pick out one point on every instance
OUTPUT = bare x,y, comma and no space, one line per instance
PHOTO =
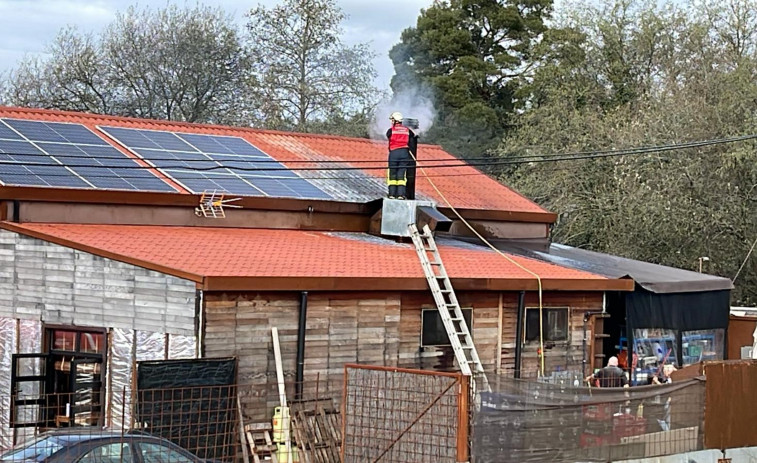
260,442
317,430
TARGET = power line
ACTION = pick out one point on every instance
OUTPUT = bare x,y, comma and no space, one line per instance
516,160
745,260
487,161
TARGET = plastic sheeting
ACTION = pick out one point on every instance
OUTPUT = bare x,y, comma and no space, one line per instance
7,348
149,346
525,421
182,347
27,334
120,369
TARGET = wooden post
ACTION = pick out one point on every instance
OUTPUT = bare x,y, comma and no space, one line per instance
344,415
498,358
463,420
282,393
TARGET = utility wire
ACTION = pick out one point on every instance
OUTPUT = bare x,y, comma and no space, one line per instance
517,160
745,261
509,160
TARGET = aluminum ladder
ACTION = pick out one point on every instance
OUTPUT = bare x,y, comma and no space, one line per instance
448,306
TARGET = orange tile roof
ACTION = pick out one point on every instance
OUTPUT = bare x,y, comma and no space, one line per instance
203,254
464,187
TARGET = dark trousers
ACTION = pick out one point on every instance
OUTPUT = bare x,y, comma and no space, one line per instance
399,162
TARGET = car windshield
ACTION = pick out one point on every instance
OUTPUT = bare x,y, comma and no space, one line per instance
36,450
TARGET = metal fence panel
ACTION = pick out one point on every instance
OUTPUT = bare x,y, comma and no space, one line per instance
399,415
731,411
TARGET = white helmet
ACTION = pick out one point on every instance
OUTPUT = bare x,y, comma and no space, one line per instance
396,116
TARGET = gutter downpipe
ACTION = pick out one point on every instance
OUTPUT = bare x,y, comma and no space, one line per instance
519,332
299,375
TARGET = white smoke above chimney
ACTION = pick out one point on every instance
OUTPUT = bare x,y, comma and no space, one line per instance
412,103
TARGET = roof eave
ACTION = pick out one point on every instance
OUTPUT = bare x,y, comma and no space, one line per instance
102,253
299,283
496,215
139,198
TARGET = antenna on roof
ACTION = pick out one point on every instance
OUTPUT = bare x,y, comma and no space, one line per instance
212,204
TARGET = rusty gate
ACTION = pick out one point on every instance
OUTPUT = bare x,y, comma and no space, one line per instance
402,415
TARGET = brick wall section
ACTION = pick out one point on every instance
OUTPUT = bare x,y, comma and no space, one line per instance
59,285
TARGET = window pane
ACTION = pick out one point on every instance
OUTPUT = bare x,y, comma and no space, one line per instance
433,332
654,348
532,324
702,345
92,342
156,453
30,366
557,324
109,453
64,340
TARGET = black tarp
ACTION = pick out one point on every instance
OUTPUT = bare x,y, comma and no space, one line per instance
191,403
678,311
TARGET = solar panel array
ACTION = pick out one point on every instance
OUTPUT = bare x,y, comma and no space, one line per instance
56,154
35,153
229,164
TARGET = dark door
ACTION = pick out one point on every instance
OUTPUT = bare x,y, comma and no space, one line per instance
28,381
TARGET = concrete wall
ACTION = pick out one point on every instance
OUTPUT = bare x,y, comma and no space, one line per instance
62,286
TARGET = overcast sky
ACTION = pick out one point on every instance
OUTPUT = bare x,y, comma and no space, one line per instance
28,26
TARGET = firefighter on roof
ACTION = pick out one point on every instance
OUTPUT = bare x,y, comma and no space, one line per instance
402,142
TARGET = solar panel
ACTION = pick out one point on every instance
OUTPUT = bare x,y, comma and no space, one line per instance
231,163
40,153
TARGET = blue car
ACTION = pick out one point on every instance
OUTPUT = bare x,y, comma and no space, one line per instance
86,445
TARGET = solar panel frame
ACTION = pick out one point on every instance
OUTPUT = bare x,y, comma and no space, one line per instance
227,153
90,159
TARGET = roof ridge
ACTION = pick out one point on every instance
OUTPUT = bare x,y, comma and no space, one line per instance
193,125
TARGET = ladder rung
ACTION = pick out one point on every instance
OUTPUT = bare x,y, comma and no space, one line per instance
459,335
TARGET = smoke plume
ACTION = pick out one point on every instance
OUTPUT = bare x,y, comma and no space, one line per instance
412,103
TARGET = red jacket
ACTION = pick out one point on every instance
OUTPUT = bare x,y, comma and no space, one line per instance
399,138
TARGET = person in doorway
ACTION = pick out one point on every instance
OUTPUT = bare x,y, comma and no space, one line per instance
401,139
609,376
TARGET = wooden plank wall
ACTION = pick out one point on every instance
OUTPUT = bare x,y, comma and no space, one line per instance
566,355
381,328
55,284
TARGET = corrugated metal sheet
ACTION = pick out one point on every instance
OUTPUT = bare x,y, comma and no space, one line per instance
652,277
730,406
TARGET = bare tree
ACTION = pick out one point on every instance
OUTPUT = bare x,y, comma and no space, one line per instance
177,64
306,74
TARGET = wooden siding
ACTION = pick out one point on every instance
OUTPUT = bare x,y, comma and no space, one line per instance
59,285
563,355
375,328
